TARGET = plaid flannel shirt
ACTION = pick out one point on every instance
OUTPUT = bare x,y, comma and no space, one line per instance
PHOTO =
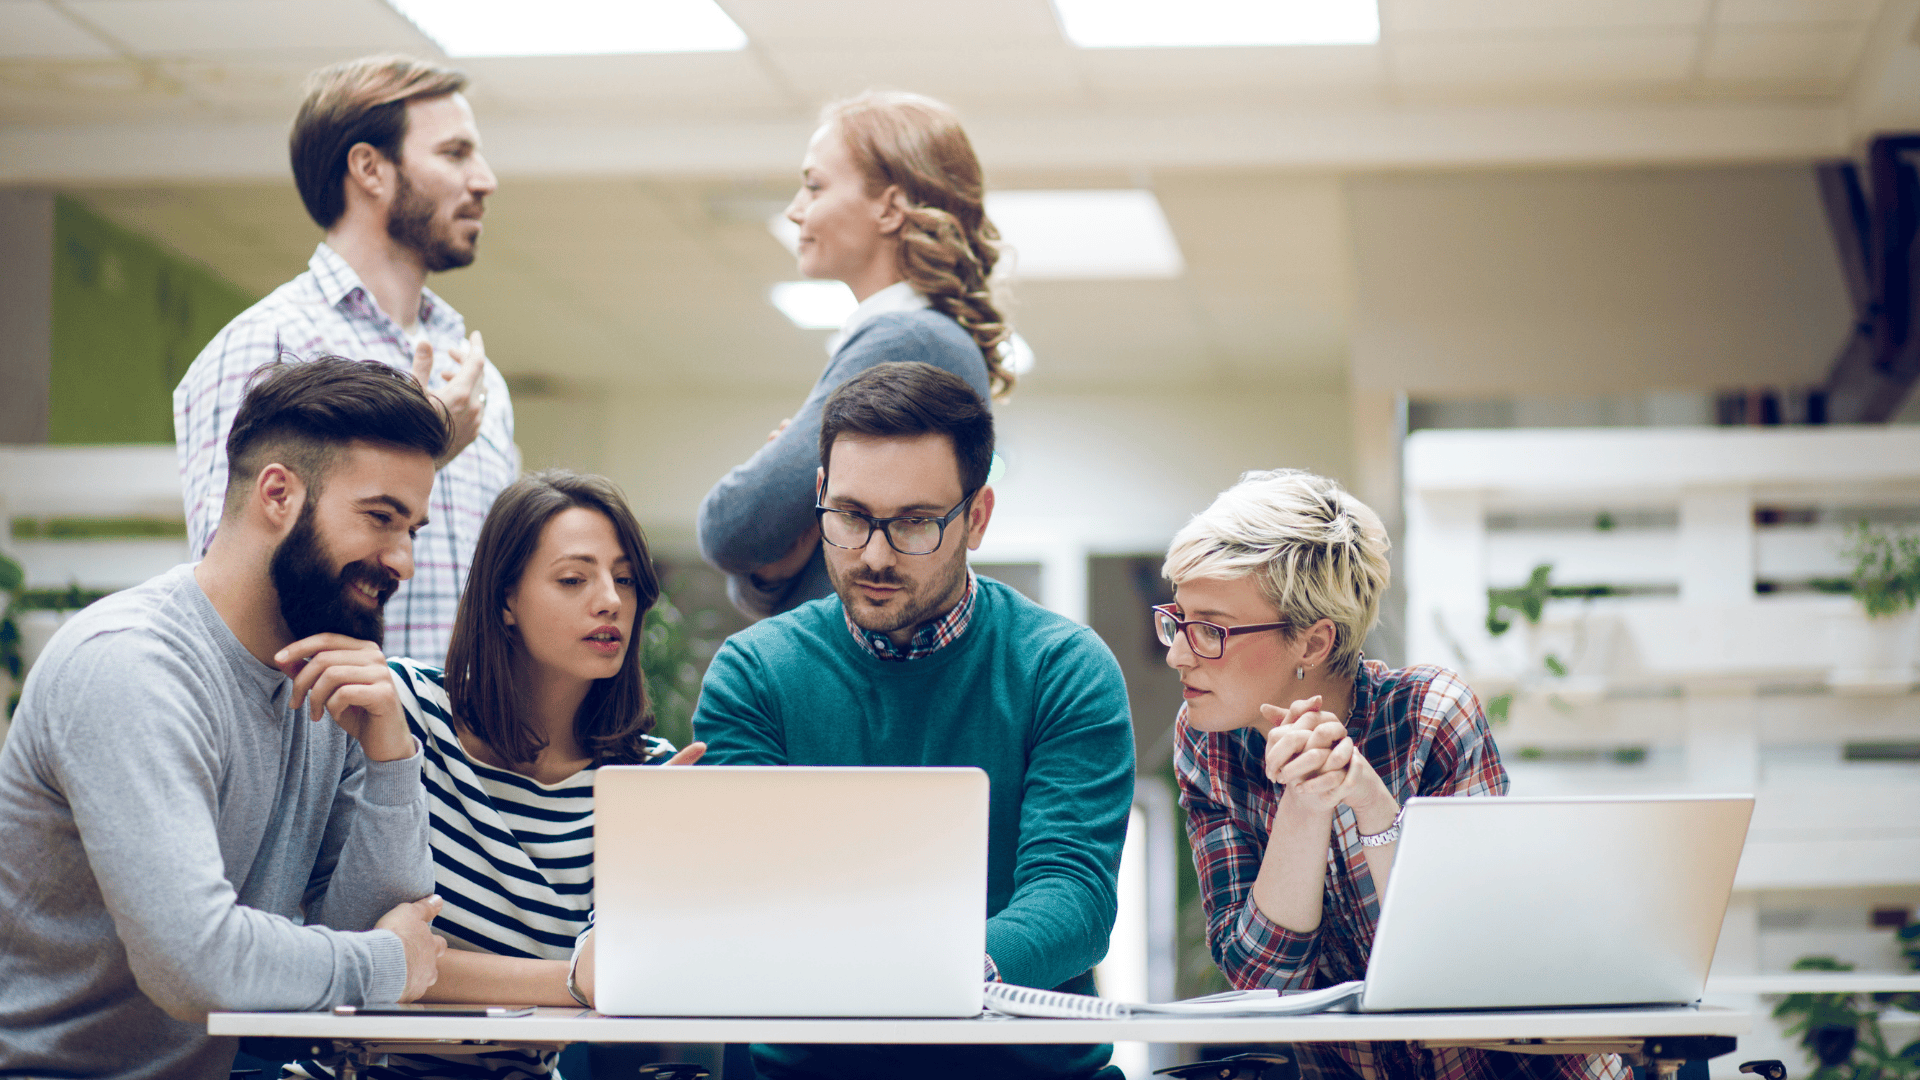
1424,732
929,639
327,310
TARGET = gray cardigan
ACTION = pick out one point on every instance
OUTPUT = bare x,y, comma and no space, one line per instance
753,514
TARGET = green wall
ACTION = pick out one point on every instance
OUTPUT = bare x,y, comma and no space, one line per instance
128,317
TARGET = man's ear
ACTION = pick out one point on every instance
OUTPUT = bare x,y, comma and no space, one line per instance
819,482
893,210
978,515
369,171
279,495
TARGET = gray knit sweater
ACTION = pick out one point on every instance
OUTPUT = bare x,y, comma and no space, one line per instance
167,824
752,516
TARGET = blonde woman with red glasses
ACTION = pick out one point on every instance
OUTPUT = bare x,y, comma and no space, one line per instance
1295,755
892,203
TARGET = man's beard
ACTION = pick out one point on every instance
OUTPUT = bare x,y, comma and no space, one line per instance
314,597
914,605
411,224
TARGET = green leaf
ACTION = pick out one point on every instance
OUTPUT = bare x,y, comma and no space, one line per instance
1555,666
11,574
1500,708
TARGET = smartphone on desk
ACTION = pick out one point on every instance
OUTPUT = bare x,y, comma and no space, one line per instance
433,1010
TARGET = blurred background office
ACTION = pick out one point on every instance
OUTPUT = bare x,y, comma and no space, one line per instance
1621,289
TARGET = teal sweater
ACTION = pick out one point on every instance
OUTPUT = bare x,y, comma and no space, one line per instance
1033,699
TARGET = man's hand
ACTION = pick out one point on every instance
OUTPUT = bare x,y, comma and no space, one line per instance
348,679
464,394
689,755
410,923
794,561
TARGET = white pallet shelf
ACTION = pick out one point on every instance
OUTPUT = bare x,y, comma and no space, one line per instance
1694,681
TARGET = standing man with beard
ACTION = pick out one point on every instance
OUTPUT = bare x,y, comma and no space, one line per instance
210,798
387,159
915,661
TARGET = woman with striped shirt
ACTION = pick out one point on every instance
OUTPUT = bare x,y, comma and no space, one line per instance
542,686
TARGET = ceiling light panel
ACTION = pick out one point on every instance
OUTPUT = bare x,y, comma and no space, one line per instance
1146,24
573,27
1066,235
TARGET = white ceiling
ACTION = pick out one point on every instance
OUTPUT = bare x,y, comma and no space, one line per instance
210,84
626,245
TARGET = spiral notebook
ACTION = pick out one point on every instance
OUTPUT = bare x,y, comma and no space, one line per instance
1009,1000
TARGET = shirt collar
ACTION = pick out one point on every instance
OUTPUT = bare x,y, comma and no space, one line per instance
899,296
929,639
340,286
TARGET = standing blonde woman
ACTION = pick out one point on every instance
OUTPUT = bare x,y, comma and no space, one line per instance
1295,754
891,202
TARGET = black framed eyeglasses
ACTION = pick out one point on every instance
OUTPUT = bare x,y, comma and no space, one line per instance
1207,640
908,535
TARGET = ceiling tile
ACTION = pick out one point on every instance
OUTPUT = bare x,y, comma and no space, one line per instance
1747,12
1473,16
29,29
202,26
51,92
920,24
1174,77
682,84
1027,75
1557,61
1821,56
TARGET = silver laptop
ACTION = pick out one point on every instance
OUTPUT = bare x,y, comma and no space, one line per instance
1536,902
789,891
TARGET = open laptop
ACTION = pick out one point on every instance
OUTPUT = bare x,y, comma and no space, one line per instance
1544,902
789,891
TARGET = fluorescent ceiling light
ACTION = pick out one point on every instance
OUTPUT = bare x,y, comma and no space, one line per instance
814,305
1016,355
1085,234
1135,24
572,27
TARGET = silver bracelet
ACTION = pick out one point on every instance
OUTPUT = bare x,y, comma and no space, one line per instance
573,971
1386,836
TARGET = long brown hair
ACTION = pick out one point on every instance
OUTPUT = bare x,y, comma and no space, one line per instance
482,684
948,247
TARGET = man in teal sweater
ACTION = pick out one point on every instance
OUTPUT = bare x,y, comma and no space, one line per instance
915,661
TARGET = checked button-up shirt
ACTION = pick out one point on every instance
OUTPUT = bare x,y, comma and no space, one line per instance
328,311
1423,731
929,639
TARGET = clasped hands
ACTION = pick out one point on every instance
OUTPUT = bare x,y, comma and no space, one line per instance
1311,755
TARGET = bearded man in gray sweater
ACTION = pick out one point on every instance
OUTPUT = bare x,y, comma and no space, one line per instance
209,798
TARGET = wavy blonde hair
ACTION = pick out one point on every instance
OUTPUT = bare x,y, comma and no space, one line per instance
948,247
1316,551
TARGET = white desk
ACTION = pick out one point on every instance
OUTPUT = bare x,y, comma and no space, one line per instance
1570,1031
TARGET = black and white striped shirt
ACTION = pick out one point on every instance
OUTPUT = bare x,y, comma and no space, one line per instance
512,858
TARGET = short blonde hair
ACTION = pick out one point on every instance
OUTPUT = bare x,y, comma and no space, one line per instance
1317,552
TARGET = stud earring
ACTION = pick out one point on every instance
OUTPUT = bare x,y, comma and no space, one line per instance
1300,672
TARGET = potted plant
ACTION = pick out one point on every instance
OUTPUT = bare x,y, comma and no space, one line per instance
1877,652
